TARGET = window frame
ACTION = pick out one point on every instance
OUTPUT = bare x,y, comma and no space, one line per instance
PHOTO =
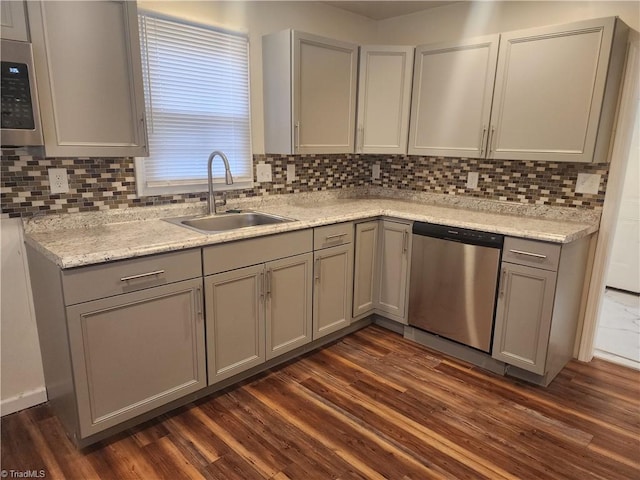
178,187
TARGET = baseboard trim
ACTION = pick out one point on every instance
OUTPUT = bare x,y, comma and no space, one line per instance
24,400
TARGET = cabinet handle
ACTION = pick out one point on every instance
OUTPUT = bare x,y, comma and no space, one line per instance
142,275
493,131
199,300
361,139
296,127
502,286
405,243
484,133
269,282
262,284
528,254
337,235
316,269
143,133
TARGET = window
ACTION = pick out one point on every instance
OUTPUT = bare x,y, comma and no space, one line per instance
196,86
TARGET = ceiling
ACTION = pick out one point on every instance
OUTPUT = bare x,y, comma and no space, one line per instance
386,9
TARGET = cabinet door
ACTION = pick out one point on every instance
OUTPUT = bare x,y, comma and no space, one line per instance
87,59
288,291
451,103
333,276
134,352
235,321
324,79
13,21
364,273
523,317
549,90
384,95
391,291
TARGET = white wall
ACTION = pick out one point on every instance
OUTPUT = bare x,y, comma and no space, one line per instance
22,379
259,18
469,19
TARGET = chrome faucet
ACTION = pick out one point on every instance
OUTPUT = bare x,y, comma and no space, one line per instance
228,178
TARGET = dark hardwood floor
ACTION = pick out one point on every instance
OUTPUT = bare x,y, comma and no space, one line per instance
372,405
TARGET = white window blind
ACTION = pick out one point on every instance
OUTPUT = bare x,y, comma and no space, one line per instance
197,100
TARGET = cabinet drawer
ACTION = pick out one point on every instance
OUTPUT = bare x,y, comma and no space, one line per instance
229,256
104,280
532,253
332,235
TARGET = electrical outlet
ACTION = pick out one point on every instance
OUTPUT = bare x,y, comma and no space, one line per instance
58,181
588,183
472,180
291,173
263,172
375,171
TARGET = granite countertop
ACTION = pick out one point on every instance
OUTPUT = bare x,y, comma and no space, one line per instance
75,240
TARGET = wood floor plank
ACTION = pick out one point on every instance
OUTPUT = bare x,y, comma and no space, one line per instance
372,405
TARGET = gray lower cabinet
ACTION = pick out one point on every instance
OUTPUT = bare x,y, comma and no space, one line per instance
391,287
523,316
258,297
235,321
332,278
288,300
333,269
381,270
137,351
120,339
538,307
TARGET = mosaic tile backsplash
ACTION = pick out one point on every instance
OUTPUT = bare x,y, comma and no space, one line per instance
106,183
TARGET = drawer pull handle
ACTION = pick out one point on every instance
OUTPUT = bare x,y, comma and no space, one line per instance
142,275
528,254
337,235
502,284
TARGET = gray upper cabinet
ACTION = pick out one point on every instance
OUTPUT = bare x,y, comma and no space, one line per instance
13,21
556,91
89,74
546,93
452,91
384,97
309,93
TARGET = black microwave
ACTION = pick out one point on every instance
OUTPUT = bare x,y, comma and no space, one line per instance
20,114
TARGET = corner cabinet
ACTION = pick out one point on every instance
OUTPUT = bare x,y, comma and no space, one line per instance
550,94
121,339
258,297
381,271
309,93
89,76
384,97
538,306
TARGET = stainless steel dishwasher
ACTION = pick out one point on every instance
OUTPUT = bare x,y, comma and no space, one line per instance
454,280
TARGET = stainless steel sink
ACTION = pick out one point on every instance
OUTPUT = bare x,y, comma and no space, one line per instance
224,222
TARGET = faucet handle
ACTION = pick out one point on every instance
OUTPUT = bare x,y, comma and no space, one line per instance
223,202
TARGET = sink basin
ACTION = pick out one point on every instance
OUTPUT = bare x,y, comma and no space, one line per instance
228,221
